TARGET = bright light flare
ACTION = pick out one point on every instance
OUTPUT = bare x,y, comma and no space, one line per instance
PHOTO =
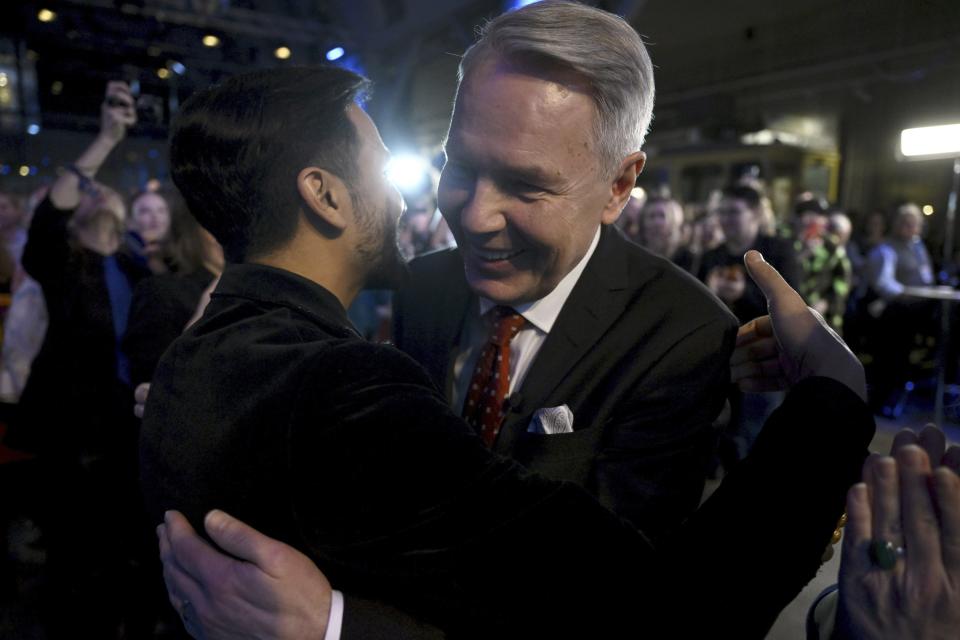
210,40
282,53
335,54
930,141
928,209
45,15
408,171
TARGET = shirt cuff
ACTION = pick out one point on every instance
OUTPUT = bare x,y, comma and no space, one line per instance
335,621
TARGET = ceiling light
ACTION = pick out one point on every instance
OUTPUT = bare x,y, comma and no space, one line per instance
930,141
282,53
163,73
210,40
335,54
45,15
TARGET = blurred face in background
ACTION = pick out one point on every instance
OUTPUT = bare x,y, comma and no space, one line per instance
98,221
739,222
150,217
661,223
10,213
908,223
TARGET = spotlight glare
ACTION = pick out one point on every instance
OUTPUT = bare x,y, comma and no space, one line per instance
24,171
928,141
335,54
282,53
45,15
928,209
33,129
210,40
178,68
163,73
408,171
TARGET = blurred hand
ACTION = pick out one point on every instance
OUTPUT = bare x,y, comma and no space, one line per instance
266,590
905,502
140,398
118,111
934,443
791,344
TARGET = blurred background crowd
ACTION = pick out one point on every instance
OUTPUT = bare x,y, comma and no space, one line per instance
776,127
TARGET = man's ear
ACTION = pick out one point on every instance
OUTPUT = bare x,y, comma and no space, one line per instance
326,198
623,183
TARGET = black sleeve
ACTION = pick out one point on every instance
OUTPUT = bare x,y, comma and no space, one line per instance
371,620
401,502
760,538
47,249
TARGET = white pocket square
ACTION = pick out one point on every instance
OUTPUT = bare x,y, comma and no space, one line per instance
551,420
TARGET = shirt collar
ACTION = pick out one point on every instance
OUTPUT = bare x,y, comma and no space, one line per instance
543,313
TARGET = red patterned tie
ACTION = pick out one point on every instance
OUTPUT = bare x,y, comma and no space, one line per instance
490,383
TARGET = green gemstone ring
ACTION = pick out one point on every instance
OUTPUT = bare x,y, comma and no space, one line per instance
884,555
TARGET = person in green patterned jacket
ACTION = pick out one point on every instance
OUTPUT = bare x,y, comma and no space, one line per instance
826,269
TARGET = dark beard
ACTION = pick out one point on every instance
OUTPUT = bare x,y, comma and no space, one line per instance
385,266
389,269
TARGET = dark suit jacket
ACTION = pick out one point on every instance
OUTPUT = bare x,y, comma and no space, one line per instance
639,353
272,408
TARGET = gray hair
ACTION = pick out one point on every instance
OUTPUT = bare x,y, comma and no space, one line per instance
599,46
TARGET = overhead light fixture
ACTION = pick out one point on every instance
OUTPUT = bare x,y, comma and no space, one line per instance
4,79
928,209
24,171
335,54
942,140
45,15
33,128
210,40
282,53
163,73
177,67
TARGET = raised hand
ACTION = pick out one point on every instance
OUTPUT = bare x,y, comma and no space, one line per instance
792,343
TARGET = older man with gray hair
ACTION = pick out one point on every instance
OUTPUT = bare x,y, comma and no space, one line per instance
617,363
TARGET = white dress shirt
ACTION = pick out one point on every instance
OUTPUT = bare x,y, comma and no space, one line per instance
540,315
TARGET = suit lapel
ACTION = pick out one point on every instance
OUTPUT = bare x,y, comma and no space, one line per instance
597,300
454,303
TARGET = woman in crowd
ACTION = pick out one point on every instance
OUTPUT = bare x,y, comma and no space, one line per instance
163,304
661,231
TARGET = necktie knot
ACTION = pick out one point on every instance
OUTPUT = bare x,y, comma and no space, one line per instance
506,324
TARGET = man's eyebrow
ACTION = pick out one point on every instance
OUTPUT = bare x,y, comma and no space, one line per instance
527,173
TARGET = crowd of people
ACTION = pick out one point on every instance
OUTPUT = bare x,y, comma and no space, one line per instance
856,271
529,406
